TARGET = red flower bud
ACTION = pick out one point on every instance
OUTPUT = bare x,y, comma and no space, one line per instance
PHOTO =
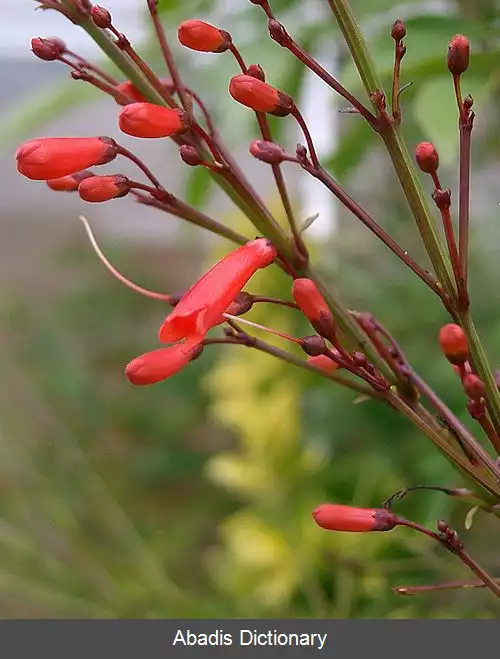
313,306
131,91
52,157
473,386
324,363
151,121
458,54
202,36
398,30
256,71
201,308
68,183
269,152
453,343
260,96
47,49
158,365
189,154
101,17
103,188
335,517
427,157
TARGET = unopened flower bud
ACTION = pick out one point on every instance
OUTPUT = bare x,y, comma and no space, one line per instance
131,91
453,343
203,37
189,154
442,199
68,183
256,71
398,30
313,345
313,306
278,33
458,54
101,17
96,189
324,363
260,96
269,152
158,365
427,157
47,49
151,121
335,517
473,386
52,157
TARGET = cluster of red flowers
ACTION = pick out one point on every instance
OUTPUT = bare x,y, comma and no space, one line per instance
149,110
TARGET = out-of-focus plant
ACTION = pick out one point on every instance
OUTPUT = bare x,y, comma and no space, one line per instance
347,347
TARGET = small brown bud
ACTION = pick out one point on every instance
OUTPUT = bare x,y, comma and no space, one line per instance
189,154
313,345
269,152
458,54
442,199
278,33
427,157
241,304
101,17
398,30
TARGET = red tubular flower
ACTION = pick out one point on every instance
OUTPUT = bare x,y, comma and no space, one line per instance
103,188
324,363
68,183
260,96
158,365
52,157
204,303
458,54
453,342
313,306
202,36
150,121
335,517
131,91
427,157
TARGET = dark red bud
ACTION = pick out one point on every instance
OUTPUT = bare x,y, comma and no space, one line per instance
256,71
101,17
241,304
458,54
313,345
427,157
278,33
269,152
473,386
47,49
189,154
442,199
398,30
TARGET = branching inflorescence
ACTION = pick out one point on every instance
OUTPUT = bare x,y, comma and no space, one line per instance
347,347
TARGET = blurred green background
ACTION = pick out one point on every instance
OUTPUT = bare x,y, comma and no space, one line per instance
193,498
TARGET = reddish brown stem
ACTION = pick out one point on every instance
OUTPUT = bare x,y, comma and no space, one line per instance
82,62
144,168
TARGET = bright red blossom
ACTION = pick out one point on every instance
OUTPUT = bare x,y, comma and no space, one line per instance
260,96
202,306
335,517
150,121
52,157
131,91
103,188
158,365
202,36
